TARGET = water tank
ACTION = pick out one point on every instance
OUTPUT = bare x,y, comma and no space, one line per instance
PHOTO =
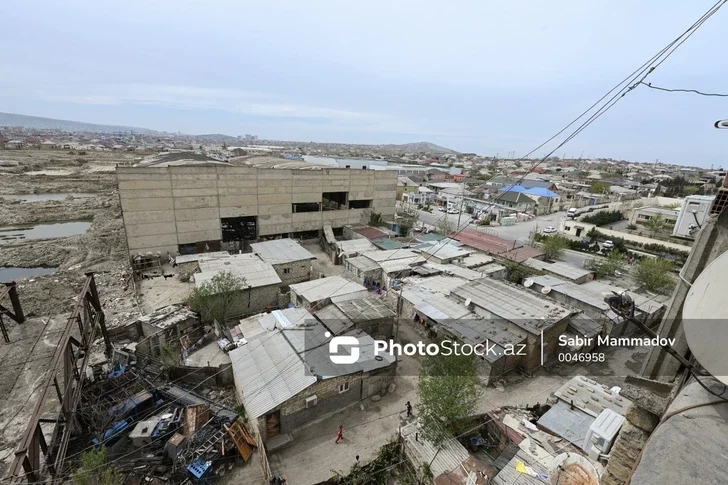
572,469
602,433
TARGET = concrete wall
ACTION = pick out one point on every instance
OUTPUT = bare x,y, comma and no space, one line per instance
569,227
329,400
164,207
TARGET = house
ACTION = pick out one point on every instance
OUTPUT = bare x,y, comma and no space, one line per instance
547,201
561,269
261,280
406,185
285,379
291,261
641,215
322,291
351,248
14,144
369,314
536,318
516,200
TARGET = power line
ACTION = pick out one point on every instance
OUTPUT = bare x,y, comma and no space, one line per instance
649,85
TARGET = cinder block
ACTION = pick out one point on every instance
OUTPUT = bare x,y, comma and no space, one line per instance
238,200
195,202
199,192
150,229
145,217
143,242
199,225
207,213
135,185
191,237
146,204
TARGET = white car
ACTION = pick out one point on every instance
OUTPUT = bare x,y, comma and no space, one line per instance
453,211
607,244
441,209
549,230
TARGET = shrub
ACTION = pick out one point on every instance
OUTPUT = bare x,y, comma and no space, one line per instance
655,274
631,227
603,218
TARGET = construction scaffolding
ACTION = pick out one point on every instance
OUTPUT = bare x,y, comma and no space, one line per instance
37,459
16,314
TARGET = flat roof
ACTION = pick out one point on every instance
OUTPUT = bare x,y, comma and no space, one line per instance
455,270
189,258
521,254
380,256
329,287
434,284
592,397
560,268
582,293
279,251
363,264
513,304
365,309
439,307
256,272
387,243
473,260
571,424
354,246
444,250
484,242
397,265
370,232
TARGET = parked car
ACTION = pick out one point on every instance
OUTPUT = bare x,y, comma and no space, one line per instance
549,230
571,213
608,245
452,211
441,208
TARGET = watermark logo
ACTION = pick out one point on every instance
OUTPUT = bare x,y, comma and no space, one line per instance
344,341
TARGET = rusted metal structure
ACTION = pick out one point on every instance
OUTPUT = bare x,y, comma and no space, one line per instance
36,459
16,314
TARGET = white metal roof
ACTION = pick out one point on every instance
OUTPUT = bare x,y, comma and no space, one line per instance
363,263
459,271
332,287
268,372
563,269
445,250
354,246
447,457
279,251
256,272
390,255
592,397
512,303
397,265
188,258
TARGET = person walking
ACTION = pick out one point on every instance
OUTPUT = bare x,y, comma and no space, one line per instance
356,461
409,409
339,434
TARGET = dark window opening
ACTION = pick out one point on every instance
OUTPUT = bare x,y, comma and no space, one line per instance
306,235
348,166
360,204
364,167
306,207
333,201
239,228
338,231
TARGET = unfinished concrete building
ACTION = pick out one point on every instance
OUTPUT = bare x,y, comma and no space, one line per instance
209,207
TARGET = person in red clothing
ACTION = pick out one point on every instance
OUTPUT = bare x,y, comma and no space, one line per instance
339,434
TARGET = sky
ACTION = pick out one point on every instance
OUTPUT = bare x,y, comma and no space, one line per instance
482,76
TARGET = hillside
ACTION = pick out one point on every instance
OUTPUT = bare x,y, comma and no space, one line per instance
38,123
423,146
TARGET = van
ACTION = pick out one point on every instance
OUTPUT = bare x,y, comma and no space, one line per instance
571,213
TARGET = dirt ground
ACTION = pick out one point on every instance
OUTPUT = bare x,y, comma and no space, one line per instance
101,250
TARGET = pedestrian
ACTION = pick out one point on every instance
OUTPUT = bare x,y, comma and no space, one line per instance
356,461
339,434
409,409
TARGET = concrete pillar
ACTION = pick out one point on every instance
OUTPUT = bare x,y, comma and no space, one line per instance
712,241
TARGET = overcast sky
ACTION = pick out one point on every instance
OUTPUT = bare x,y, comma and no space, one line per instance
479,76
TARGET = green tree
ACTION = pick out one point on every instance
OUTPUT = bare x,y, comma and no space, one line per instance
599,188
449,390
517,272
553,246
614,262
219,298
444,225
656,224
655,274
95,470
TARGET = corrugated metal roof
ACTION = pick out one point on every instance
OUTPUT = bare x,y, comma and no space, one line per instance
513,304
439,307
444,250
583,293
189,258
442,459
362,263
279,251
452,269
560,268
392,255
370,232
365,309
477,259
434,284
268,372
329,288
397,265
256,272
387,243
510,476
354,246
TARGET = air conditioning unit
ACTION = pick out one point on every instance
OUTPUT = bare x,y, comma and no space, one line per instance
602,433
311,401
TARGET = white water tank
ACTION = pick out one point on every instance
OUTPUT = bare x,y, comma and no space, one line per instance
602,433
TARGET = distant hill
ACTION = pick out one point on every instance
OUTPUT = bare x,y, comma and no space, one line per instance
423,146
38,123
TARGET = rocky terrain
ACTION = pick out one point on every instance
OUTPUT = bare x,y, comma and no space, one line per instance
101,250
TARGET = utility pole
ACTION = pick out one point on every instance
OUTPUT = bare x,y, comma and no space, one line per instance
462,202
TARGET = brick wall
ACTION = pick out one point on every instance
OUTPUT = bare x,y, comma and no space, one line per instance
293,272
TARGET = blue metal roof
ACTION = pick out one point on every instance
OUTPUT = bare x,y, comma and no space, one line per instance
538,191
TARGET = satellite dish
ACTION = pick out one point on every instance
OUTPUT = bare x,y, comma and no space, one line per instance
467,302
546,290
528,282
704,319
572,468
